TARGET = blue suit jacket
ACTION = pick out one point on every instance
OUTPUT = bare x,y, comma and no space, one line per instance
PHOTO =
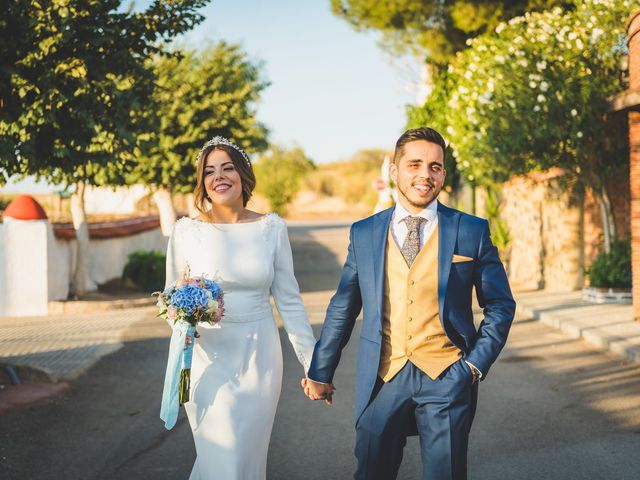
362,284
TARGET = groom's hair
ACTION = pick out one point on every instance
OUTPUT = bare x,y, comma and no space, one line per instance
422,133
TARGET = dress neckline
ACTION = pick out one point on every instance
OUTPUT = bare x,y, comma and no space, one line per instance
224,225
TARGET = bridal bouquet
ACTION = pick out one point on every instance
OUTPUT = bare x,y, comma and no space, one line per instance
190,301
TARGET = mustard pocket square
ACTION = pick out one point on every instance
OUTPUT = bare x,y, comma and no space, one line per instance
461,258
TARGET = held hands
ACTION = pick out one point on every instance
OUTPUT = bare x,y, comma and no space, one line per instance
318,391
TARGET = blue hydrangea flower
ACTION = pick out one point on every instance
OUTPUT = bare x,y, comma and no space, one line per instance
212,287
189,298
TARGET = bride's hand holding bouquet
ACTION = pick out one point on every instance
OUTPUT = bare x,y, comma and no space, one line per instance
190,301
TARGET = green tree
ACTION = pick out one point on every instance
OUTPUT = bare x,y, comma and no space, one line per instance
75,90
534,96
74,86
436,28
279,173
199,94
434,114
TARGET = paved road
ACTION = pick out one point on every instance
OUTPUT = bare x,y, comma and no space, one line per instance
552,408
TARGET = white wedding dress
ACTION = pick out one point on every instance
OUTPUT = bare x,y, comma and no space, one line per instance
236,373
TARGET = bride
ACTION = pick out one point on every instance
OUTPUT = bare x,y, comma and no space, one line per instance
236,373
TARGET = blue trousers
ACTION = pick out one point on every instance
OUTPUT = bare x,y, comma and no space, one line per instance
442,409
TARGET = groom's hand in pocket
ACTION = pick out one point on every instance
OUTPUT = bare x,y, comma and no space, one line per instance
318,391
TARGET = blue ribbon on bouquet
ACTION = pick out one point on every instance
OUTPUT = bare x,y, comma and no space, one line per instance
177,376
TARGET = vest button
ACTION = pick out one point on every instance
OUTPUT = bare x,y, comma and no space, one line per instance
409,337
411,319
410,302
412,282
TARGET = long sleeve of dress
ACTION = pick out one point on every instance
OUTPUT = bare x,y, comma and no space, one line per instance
176,261
286,293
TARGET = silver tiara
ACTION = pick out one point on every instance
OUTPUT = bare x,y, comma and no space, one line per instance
218,140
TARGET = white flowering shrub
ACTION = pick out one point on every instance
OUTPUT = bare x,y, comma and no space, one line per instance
534,94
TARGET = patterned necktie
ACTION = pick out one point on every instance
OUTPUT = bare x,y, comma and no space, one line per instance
411,245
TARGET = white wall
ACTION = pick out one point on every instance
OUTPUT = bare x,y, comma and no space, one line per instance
25,267
119,200
109,256
35,266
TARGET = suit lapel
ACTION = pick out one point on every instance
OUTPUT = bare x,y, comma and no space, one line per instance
447,233
379,243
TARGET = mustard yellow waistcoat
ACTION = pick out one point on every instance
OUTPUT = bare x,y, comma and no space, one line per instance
411,325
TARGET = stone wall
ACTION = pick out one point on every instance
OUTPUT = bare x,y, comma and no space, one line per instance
562,252
634,171
554,234
545,225
521,209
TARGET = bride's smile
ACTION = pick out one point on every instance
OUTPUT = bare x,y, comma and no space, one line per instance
221,179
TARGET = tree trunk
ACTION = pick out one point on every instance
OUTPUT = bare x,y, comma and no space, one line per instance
608,219
166,209
80,278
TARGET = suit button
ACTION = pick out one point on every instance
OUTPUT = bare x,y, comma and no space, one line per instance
409,354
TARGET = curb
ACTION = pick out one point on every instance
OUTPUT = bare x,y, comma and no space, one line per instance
93,306
605,326
15,398
36,387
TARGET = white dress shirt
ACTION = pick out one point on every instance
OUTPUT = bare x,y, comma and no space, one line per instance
399,227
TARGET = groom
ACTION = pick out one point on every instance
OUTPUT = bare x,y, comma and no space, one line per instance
413,267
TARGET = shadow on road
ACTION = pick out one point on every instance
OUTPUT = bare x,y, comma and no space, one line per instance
551,408
318,254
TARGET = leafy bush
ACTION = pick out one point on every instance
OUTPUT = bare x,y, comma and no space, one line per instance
612,269
146,270
499,229
279,173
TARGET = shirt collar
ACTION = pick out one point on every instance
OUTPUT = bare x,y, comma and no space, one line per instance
429,213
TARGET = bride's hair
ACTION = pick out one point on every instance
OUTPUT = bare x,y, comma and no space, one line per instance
247,178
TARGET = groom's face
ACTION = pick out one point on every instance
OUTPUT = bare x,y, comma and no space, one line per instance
419,174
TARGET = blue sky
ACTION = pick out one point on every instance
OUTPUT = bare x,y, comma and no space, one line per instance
333,90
